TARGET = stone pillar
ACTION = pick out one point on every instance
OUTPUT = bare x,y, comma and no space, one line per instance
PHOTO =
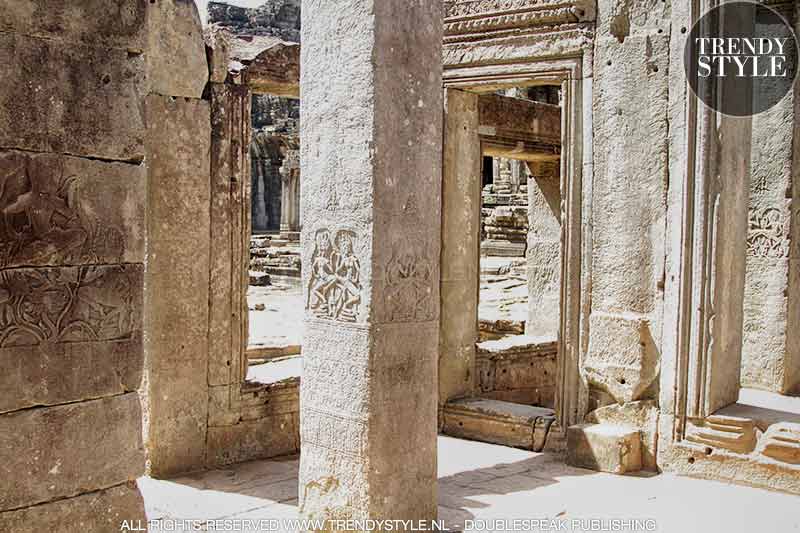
517,175
544,250
290,197
461,234
371,229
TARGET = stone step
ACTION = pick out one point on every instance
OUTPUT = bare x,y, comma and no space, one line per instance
498,422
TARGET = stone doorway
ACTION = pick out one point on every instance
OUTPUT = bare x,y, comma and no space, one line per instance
505,370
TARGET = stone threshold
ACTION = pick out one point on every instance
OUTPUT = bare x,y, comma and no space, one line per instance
498,422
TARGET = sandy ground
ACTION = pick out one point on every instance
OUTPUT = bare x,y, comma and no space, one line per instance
280,323
479,481
502,296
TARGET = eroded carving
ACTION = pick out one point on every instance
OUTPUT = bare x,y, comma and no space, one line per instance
409,271
767,235
42,219
60,305
340,434
334,289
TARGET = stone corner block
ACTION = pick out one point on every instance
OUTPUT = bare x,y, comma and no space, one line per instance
605,448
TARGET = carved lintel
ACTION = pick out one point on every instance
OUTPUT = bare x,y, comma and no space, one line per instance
464,17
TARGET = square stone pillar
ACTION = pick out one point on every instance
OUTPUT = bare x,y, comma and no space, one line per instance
371,136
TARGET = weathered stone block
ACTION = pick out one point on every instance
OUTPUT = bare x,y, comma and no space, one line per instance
69,210
642,416
604,447
258,439
176,52
734,433
498,422
622,359
50,95
96,512
122,24
63,451
177,284
87,320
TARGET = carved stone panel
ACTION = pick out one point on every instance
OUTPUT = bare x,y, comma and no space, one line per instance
485,16
69,305
410,272
86,319
66,210
768,234
334,289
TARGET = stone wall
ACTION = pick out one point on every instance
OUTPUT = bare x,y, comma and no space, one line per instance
631,69
275,119
766,357
544,250
74,179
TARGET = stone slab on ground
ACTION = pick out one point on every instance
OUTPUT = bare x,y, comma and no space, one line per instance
604,447
259,279
498,422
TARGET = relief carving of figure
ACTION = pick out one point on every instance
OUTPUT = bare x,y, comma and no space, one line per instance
409,271
408,276
335,286
42,219
39,213
348,271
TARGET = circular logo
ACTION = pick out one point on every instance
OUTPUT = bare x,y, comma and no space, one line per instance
741,58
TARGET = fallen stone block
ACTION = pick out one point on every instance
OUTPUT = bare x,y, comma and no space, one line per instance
498,422
259,279
605,448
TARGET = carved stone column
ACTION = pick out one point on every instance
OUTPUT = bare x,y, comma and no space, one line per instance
371,229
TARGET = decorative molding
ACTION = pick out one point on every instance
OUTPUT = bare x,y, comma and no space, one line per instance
483,16
768,234
74,304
